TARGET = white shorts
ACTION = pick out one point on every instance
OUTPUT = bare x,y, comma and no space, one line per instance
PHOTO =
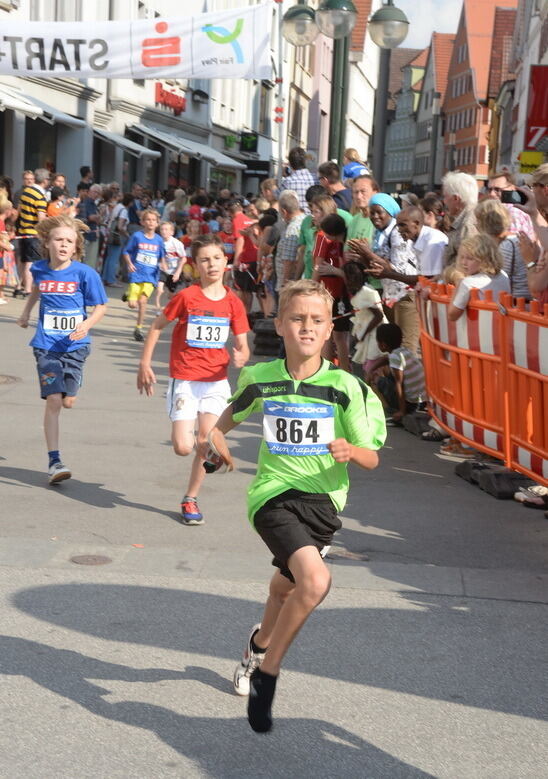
187,399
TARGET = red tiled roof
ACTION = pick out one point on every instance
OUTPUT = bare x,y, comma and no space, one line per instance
399,58
420,59
479,18
501,52
442,48
357,41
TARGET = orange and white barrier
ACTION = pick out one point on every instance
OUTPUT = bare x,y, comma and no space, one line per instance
487,376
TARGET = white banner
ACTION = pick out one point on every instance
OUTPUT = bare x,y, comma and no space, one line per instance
224,44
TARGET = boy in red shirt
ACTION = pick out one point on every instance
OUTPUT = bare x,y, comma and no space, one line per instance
328,259
198,385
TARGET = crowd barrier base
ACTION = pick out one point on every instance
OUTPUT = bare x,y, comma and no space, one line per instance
487,375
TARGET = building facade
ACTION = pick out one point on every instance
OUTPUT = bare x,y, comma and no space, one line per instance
466,107
156,132
529,55
401,132
428,163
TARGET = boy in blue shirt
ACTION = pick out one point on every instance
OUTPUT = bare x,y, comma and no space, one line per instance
61,341
144,256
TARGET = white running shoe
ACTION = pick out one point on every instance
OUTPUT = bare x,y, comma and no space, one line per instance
58,472
250,661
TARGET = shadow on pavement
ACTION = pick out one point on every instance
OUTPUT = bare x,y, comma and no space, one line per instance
93,494
434,646
309,746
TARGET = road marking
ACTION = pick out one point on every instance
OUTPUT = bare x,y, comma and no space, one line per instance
421,473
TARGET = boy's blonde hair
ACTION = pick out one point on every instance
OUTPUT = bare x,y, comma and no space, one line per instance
492,217
352,155
303,287
45,226
170,224
484,249
150,211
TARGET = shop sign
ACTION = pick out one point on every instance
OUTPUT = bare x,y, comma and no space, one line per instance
536,126
529,161
248,142
234,43
169,99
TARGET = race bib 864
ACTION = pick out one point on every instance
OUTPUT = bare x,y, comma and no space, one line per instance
298,429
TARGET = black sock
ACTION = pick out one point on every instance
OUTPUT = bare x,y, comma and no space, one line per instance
262,687
255,647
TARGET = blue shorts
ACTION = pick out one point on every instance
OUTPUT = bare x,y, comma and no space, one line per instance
60,371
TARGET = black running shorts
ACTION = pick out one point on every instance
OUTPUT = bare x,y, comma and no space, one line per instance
295,519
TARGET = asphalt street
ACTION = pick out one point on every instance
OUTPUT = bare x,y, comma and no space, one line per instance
428,658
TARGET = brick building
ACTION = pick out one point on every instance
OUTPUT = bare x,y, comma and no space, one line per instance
466,108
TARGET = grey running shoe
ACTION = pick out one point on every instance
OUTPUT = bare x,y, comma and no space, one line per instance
250,661
58,472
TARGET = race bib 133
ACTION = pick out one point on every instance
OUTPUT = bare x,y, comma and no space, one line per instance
207,332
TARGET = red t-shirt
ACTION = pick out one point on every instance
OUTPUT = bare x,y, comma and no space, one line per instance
332,253
228,244
186,240
195,212
198,351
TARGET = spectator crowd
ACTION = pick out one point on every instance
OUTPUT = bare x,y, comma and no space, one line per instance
333,225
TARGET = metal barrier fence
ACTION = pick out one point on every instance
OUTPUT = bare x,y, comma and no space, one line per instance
487,376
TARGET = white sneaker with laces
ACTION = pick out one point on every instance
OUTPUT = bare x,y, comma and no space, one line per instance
58,472
250,661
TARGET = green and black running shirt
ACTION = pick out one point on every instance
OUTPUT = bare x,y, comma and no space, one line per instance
299,419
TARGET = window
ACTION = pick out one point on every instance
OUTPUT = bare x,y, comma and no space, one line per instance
462,52
296,120
265,107
56,10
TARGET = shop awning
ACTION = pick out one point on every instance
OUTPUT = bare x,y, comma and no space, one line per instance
185,146
14,100
224,161
130,146
52,115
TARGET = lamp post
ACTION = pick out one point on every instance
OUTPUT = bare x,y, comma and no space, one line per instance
335,19
388,28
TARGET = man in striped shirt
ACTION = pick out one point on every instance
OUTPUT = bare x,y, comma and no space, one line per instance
403,390
32,209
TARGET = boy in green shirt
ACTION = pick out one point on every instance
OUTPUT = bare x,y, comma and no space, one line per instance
316,419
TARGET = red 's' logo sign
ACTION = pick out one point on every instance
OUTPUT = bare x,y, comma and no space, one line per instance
161,52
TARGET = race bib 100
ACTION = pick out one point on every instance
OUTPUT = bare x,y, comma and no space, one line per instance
298,429
207,332
58,321
145,258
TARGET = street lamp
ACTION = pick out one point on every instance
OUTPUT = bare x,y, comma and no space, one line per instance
336,18
388,28
299,26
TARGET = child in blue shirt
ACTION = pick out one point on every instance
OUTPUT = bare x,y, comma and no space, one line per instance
144,256
61,342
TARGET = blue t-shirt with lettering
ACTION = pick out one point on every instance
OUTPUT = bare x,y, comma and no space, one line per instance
64,295
145,253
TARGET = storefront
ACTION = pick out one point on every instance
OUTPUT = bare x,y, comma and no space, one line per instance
188,162
112,152
38,135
